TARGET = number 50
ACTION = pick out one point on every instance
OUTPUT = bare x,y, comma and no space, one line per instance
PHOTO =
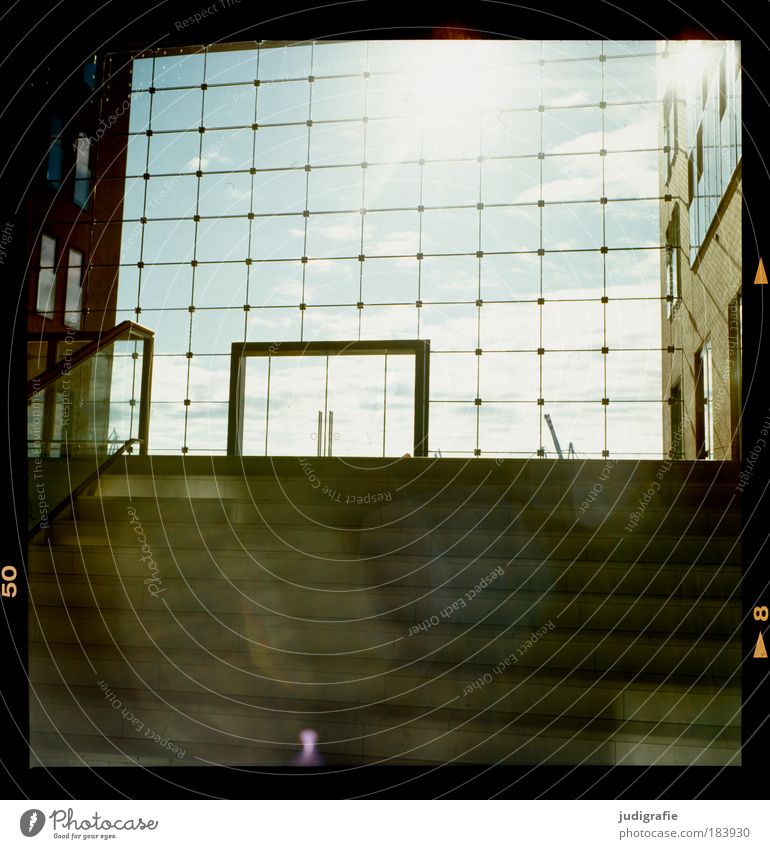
8,588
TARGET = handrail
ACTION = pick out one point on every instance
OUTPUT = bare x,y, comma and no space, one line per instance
81,487
53,372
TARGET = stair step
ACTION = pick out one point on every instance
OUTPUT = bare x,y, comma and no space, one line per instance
263,639
456,573
495,604
671,521
382,731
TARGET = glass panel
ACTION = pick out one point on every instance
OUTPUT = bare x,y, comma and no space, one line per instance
331,323
645,366
577,376
399,404
141,73
167,421
453,278
283,103
573,274
338,98
333,282
573,325
450,183
224,194
255,404
572,131
280,237
281,147
510,133
509,377
230,66
213,331
220,285
168,241
452,429
271,325
336,144
224,239
284,63
635,430
79,420
210,376
136,155
185,70
229,106
579,424
634,323
171,197
450,231
511,327
297,392
572,178
514,229
453,377
632,224
392,234
509,429
334,235
335,189
279,191
225,150
510,278
166,287
389,322
177,110
207,428
392,186
631,127
630,78
172,153
275,284
572,225
450,327
356,398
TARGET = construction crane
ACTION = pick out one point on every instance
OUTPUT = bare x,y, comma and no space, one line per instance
570,451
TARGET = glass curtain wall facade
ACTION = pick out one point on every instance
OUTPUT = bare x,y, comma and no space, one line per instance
497,198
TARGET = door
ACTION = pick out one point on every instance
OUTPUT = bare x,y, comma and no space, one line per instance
342,399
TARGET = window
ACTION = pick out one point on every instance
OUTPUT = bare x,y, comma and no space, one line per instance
73,302
46,278
704,404
82,171
673,268
675,413
734,353
670,129
55,169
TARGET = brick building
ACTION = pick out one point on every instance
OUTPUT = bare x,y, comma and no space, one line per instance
700,174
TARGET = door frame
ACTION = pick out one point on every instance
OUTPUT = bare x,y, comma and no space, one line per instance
418,348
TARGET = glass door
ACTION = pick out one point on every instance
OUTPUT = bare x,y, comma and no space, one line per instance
342,399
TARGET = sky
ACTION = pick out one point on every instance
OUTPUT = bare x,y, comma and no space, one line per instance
458,206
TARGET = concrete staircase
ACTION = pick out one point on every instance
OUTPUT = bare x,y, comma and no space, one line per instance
347,596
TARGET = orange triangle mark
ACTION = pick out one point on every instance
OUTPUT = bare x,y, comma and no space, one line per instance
760,650
761,278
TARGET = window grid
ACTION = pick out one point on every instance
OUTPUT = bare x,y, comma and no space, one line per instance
253,264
